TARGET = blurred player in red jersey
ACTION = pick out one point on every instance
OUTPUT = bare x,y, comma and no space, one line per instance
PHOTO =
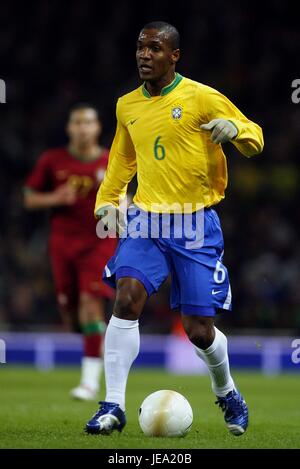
66,181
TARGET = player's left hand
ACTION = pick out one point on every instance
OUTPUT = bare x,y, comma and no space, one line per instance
222,130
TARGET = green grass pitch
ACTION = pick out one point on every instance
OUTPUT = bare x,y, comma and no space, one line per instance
36,411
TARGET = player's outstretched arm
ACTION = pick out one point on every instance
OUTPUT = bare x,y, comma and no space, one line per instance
227,123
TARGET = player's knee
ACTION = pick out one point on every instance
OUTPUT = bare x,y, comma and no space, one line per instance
126,306
130,299
89,308
200,331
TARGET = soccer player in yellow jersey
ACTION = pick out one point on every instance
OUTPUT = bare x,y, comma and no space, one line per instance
170,133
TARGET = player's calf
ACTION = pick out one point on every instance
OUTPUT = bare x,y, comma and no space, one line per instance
200,330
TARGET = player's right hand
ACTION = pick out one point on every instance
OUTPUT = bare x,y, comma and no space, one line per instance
64,195
109,216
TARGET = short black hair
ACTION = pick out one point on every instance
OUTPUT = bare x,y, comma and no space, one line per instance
169,29
84,105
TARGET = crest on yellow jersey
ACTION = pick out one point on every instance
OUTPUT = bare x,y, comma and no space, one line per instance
177,113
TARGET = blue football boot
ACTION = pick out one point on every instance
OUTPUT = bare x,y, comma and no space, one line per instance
235,412
109,417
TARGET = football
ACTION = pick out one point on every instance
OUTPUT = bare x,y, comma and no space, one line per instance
165,413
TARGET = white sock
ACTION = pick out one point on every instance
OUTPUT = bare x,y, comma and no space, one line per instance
216,359
91,368
121,347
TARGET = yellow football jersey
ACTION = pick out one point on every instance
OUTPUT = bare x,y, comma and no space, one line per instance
160,139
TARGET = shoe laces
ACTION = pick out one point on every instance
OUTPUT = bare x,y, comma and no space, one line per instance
232,401
105,407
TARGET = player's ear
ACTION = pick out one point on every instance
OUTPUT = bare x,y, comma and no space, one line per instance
175,56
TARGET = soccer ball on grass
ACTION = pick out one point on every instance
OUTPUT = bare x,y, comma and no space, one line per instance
165,413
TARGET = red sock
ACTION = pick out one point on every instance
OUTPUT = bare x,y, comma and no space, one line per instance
92,345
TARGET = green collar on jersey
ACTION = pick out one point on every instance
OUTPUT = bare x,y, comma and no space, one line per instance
167,89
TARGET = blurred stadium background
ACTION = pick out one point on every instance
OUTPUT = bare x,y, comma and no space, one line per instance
54,54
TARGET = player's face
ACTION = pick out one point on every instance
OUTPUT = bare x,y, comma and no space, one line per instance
154,54
83,127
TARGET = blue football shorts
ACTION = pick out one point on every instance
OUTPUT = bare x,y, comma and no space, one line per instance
190,248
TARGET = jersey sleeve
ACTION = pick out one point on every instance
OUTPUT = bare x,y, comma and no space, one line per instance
121,167
40,176
249,140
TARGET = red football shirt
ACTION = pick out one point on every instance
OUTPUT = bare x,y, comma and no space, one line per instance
56,167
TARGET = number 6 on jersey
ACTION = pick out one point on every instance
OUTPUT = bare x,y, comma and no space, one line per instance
159,149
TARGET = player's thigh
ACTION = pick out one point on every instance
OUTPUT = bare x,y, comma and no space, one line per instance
200,282
140,259
201,285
